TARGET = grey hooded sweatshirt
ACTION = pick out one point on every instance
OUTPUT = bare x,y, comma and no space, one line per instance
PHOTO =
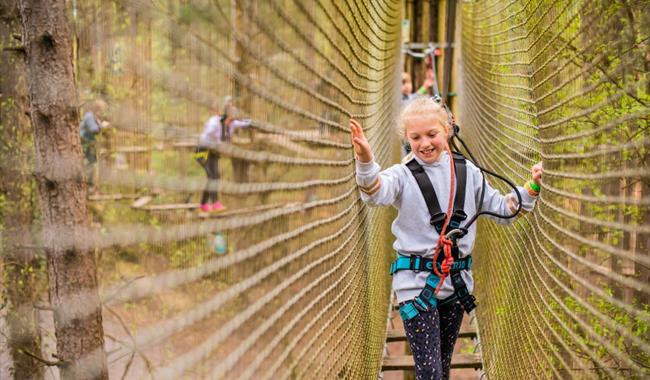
397,187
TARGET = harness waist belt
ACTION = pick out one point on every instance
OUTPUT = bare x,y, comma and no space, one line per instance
420,264
426,300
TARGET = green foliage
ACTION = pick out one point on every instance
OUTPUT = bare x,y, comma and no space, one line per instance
189,13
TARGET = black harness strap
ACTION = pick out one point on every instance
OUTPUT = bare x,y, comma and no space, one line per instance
459,200
468,301
225,131
429,194
431,199
461,293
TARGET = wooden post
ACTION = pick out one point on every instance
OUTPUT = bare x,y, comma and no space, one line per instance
416,33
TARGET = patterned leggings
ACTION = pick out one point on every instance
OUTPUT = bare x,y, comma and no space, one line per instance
432,336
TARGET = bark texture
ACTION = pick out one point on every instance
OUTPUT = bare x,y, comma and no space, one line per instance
62,192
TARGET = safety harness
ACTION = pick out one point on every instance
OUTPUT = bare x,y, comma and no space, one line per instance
420,264
426,300
426,187
439,220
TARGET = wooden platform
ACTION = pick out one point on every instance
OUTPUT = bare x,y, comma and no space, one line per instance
405,362
240,211
140,202
466,362
214,214
399,335
133,149
111,197
171,207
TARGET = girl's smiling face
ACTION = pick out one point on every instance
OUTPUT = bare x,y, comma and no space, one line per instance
427,137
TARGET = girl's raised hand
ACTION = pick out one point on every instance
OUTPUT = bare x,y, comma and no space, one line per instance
536,171
362,150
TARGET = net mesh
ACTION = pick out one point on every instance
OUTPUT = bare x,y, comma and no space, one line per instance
289,281
565,293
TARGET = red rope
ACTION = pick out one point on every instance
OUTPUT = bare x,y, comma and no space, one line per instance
442,242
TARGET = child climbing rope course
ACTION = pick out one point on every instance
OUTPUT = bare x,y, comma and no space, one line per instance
432,274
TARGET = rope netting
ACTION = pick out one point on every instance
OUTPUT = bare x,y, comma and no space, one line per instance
565,294
289,280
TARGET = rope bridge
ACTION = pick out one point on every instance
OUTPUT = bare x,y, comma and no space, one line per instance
565,293
291,279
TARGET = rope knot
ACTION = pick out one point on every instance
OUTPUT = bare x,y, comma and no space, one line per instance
448,262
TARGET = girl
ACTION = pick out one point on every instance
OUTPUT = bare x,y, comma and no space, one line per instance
433,327
218,129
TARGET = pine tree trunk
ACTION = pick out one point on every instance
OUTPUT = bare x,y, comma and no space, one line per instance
21,274
55,117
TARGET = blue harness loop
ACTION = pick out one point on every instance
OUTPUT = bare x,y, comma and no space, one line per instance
421,264
427,300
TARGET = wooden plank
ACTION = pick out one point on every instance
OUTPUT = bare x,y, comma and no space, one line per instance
295,135
132,149
140,202
171,207
240,211
226,212
238,140
406,363
110,197
185,144
399,335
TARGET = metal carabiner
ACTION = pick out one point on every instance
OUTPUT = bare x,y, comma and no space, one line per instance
455,233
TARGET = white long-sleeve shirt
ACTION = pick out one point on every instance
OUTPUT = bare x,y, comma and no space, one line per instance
396,186
212,130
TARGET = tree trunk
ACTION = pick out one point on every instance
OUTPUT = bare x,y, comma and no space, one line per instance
21,274
244,11
62,195
433,20
416,34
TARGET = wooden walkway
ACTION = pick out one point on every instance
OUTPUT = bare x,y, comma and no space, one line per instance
396,358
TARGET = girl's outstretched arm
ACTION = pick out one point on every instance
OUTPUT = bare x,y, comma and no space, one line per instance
362,150
378,188
536,173
505,205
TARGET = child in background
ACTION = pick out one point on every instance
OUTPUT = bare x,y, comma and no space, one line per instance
218,129
90,126
424,123
407,97
407,87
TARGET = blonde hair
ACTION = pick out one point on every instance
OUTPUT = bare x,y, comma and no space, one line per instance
421,108
98,107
